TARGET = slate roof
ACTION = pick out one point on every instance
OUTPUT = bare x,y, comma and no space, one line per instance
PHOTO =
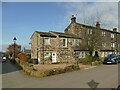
93,27
55,34
65,35
46,34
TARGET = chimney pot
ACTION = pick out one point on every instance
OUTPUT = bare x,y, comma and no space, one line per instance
97,24
73,19
115,29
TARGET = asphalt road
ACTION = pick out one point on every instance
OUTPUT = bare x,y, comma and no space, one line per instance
105,75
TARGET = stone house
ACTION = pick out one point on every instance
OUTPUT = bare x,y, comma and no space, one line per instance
76,42
103,40
43,44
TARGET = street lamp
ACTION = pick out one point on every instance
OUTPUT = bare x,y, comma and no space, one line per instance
14,39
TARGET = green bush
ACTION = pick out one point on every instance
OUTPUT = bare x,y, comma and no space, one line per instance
95,63
101,60
28,57
91,60
85,60
98,62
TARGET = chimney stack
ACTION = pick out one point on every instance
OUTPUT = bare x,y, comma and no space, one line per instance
97,24
73,19
115,29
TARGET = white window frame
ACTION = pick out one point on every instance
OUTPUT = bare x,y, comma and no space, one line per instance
47,43
75,42
113,45
112,35
65,42
89,31
103,33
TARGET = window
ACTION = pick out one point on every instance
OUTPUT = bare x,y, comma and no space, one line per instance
65,42
47,41
75,42
112,35
47,54
82,55
113,45
103,33
89,31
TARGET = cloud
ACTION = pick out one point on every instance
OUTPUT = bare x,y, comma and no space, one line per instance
89,12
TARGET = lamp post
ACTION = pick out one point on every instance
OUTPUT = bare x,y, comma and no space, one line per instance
14,39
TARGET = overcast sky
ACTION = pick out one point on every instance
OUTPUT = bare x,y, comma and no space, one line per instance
21,19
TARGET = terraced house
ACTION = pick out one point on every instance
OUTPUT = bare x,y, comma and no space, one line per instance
94,37
76,42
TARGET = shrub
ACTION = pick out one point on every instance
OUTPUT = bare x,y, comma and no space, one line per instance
101,61
85,60
71,68
97,62
30,61
29,70
57,71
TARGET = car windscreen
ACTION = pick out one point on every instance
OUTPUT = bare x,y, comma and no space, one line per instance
111,56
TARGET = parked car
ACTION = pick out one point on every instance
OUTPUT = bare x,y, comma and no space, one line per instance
111,59
118,58
4,59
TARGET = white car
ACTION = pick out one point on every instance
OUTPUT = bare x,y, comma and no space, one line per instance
4,59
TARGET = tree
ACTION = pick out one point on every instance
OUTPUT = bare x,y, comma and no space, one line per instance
10,50
92,39
92,36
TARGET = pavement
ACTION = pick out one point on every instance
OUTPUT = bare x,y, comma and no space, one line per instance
106,76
